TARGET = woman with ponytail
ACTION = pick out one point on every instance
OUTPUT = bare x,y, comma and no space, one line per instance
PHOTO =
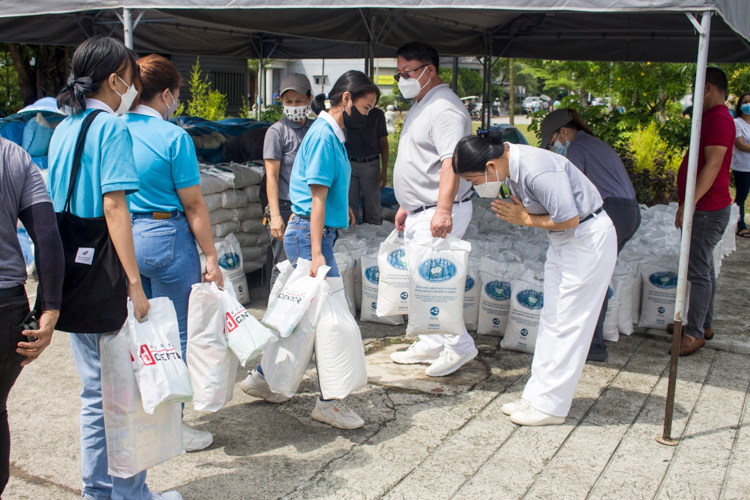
549,192
319,192
104,79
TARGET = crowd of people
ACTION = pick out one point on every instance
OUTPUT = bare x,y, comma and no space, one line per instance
129,186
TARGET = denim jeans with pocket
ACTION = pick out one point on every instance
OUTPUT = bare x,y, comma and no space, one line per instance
168,262
297,243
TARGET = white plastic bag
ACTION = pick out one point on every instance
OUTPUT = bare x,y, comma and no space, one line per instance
370,279
136,441
659,293
285,359
229,253
527,300
212,366
246,336
285,270
393,285
472,295
291,303
338,348
159,369
436,287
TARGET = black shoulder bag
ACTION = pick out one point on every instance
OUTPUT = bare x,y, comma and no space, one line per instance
95,285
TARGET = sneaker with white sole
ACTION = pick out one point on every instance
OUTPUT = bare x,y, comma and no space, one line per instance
168,495
195,440
415,354
533,417
448,362
511,408
337,414
256,386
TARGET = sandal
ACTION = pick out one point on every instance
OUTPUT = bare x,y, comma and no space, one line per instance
743,233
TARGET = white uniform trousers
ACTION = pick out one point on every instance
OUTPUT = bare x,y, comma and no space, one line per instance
418,228
579,267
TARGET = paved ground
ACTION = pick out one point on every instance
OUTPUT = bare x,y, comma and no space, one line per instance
445,438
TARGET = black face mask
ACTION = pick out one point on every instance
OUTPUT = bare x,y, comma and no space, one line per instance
355,120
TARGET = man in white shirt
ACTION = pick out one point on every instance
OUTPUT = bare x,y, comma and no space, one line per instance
434,201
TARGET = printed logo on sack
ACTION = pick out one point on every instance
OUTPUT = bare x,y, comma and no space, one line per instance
372,274
661,310
531,299
229,260
374,305
404,295
397,259
150,354
524,332
234,318
434,311
147,358
469,283
495,321
498,290
665,279
437,270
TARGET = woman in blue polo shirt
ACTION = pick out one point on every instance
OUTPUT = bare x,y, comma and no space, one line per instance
168,213
104,76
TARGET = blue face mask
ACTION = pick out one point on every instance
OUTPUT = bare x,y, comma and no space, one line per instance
560,148
745,109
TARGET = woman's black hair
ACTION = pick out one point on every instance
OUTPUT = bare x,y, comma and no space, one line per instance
577,122
93,61
355,82
738,108
474,151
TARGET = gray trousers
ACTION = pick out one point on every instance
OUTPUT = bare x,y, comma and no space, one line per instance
708,228
366,177
277,246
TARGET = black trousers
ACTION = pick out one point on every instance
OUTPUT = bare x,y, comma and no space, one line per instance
13,310
742,183
626,217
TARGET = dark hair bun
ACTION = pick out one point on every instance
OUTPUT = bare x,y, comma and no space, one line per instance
495,137
318,104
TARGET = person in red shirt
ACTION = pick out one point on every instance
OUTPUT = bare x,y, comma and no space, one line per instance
712,207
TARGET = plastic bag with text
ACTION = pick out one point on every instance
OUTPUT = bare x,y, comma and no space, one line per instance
246,336
393,286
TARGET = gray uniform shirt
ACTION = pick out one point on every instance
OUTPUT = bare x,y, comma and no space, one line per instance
548,183
432,128
282,143
601,164
21,185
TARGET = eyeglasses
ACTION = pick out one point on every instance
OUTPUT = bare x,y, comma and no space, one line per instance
405,74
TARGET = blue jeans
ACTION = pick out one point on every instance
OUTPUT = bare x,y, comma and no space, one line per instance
97,483
297,243
168,262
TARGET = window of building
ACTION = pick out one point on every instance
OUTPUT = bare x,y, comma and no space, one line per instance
230,84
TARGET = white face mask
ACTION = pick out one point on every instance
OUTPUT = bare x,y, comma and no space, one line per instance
489,189
297,114
171,108
411,88
126,99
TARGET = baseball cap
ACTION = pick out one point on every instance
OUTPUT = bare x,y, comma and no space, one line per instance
295,81
552,123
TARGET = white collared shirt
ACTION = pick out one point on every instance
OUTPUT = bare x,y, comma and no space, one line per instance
334,125
97,104
142,109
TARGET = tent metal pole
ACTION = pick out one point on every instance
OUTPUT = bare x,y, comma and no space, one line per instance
454,83
127,28
687,223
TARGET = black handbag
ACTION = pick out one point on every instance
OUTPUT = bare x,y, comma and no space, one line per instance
95,285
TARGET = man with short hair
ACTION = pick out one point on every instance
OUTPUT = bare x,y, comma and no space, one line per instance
434,201
712,208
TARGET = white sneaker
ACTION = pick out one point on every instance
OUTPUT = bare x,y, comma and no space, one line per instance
449,362
257,387
168,495
195,440
415,354
511,408
337,414
533,417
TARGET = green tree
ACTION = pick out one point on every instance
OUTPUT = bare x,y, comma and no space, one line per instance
205,102
10,91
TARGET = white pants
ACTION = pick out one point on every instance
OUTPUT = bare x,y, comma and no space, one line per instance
579,267
418,228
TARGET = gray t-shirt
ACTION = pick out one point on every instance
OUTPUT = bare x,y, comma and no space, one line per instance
282,143
548,183
601,164
21,185
432,128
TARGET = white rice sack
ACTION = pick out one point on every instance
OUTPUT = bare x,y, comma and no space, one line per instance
225,228
253,265
230,262
253,226
370,279
233,198
357,248
637,294
659,283
220,215
472,295
263,239
243,175
253,194
436,288
213,201
393,289
215,181
494,298
250,211
253,253
345,264
526,305
246,239
610,317
625,316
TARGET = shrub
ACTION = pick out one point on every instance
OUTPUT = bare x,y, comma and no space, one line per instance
653,185
647,147
272,113
204,102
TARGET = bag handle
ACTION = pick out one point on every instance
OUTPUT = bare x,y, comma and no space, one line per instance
78,154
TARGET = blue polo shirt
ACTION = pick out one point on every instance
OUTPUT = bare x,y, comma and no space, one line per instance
322,160
107,163
165,159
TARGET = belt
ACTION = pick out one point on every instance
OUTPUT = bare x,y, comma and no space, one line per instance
364,160
155,215
12,292
302,216
591,216
422,209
